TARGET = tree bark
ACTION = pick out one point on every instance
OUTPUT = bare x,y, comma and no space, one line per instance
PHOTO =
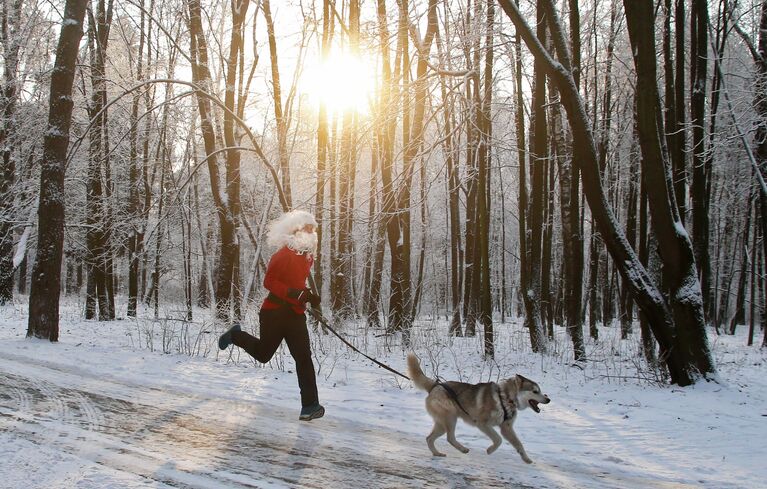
675,248
539,144
471,260
342,297
227,211
701,163
135,211
522,208
98,220
681,369
740,299
282,131
10,37
678,153
484,207
46,275
453,189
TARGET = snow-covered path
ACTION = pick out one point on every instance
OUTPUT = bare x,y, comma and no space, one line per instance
95,411
186,441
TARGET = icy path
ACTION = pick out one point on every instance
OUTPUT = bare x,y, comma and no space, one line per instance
179,440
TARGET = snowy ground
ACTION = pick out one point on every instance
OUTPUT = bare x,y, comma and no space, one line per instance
132,404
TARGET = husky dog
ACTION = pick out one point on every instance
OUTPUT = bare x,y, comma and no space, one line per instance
482,405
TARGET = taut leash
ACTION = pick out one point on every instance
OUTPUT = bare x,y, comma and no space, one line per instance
319,317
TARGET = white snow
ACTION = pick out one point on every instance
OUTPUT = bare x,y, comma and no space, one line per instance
21,247
119,405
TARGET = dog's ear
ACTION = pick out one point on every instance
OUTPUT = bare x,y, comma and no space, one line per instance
523,381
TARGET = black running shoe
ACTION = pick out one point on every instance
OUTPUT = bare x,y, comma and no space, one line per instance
226,339
314,411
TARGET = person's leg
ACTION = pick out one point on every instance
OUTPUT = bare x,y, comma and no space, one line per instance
297,338
262,349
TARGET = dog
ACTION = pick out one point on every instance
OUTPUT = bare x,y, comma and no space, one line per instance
484,405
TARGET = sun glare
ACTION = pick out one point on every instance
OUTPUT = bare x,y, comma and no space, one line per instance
342,83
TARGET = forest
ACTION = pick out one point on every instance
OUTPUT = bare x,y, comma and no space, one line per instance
578,164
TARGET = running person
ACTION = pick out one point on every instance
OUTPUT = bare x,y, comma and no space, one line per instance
282,312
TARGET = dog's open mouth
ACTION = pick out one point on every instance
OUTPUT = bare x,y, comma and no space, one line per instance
534,404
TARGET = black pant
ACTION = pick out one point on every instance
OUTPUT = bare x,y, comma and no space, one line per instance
276,325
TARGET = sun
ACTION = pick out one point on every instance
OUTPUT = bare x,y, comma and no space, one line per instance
342,82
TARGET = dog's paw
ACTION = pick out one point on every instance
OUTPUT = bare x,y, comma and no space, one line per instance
439,454
491,449
526,459
464,450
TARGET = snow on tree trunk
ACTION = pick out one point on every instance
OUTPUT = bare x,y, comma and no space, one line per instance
46,274
646,294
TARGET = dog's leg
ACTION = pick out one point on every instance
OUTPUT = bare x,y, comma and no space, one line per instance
436,432
493,435
508,433
451,436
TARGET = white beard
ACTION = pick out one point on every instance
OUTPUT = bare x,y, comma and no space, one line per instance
302,242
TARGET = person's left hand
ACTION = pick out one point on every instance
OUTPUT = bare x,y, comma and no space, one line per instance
311,298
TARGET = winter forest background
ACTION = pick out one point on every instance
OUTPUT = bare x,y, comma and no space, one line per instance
582,164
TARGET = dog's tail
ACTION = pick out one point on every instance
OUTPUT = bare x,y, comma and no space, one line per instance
416,374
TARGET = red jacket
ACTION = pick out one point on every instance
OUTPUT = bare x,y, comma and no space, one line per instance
287,270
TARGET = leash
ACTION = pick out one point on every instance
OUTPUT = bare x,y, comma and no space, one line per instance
454,395
319,317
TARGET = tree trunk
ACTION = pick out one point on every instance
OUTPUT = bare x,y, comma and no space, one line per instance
753,279
681,369
595,292
282,145
648,341
322,148
135,211
454,217
760,136
522,209
342,296
701,163
702,232
484,204
572,237
11,39
46,274
228,210
98,231
539,144
680,272
740,299
627,309
678,132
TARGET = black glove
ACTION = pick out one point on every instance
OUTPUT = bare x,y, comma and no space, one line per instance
312,299
303,296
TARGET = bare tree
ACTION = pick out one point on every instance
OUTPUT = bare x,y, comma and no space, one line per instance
11,40
683,368
100,285
46,273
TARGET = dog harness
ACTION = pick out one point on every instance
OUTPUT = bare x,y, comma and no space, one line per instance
454,396
506,416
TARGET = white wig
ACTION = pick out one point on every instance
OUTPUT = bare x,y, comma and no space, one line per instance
282,228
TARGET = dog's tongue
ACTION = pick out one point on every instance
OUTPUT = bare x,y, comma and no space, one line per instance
534,404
